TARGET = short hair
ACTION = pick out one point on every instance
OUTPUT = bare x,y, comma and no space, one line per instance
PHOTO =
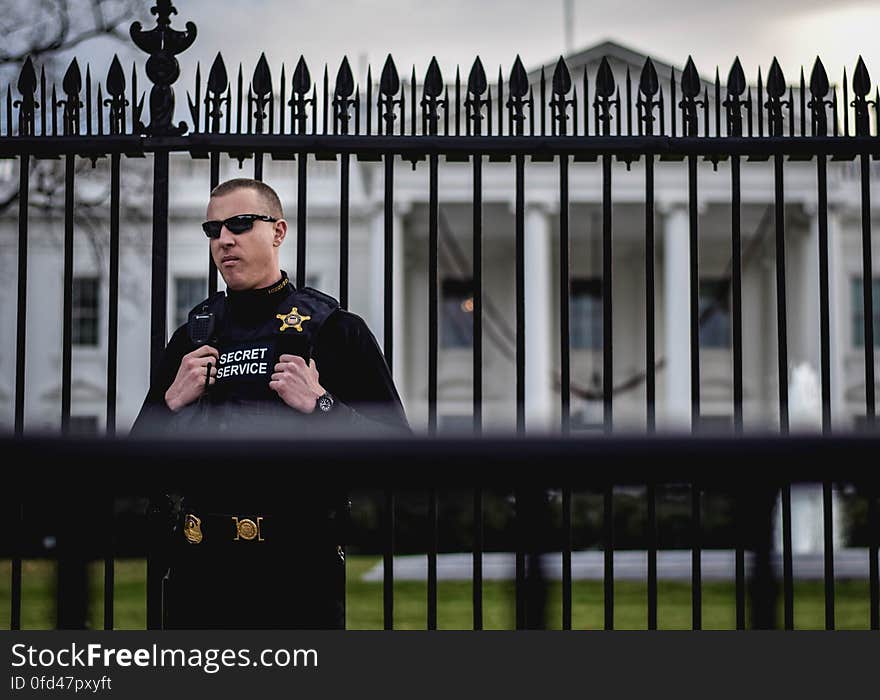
269,196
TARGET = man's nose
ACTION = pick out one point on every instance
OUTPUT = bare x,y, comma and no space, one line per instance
227,238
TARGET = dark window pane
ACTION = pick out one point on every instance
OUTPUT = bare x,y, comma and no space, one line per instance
714,314
85,311
586,314
188,291
858,311
84,425
457,314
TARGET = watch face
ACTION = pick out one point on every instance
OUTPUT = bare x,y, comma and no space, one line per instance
325,403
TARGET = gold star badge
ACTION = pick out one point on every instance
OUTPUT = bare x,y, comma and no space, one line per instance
292,320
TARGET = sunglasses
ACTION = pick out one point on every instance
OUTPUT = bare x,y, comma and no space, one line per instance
235,224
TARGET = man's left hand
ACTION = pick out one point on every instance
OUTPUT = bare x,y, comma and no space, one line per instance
296,382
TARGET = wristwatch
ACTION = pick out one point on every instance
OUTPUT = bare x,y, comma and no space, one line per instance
325,402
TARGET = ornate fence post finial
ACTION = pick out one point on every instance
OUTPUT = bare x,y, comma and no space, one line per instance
604,102
559,103
163,44
818,104
431,100
518,86
473,103
342,100
736,87
775,103
27,86
690,102
861,85
649,85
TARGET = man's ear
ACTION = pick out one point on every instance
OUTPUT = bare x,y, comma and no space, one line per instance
280,232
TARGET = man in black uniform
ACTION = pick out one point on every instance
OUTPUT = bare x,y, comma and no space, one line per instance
263,359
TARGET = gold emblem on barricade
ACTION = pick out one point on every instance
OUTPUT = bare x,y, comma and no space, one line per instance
247,529
294,319
192,528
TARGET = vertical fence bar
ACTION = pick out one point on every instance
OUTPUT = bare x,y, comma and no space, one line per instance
388,562
21,317
781,315
158,322
651,495
15,572
432,559
388,344
650,358
301,203
873,547
760,530
867,287
433,289
607,338
694,254
345,168
67,332
478,288
520,526
564,295
477,357
828,523
113,291
477,596
566,558
215,180
112,350
787,564
608,526
736,272
520,295
824,293
696,557
431,104
109,564
740,560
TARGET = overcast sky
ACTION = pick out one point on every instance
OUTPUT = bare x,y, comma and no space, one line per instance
456,30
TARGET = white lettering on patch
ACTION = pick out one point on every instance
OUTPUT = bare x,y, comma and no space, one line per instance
243,362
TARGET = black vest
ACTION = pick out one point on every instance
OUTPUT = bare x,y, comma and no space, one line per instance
250,338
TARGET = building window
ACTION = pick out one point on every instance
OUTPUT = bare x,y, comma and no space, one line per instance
586,314
858,312
188,291
457,311
85,311
455,423
714,314
83,425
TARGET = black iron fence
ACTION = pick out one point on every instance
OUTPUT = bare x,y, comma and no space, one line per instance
750,472
567,119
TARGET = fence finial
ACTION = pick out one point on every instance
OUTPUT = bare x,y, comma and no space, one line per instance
163,44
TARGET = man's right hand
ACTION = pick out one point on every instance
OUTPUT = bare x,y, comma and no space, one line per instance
189,384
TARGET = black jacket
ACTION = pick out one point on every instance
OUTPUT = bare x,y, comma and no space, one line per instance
252,329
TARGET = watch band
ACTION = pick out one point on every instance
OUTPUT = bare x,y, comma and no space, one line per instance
325,402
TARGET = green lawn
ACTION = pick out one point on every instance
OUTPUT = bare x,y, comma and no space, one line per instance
364,604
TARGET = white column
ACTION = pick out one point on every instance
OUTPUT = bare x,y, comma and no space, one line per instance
805,337
676,315
539,307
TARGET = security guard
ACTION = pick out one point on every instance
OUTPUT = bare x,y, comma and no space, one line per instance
262,359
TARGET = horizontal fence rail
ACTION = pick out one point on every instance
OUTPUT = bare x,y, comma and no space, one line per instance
750,471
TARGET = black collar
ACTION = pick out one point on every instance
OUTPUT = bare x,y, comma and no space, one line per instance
256,299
